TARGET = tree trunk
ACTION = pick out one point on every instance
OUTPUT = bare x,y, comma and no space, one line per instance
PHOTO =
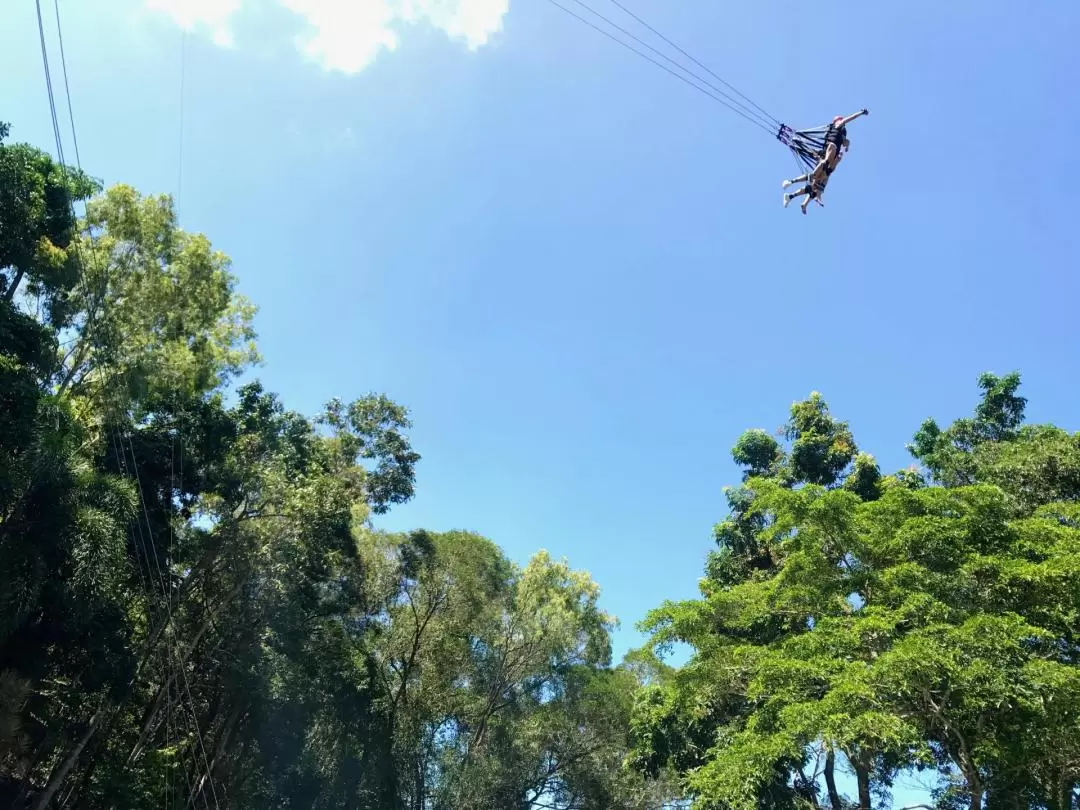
42,750
10,293
830,780
60,773
224,738
150,716
976,789
418,784
862,776
75,791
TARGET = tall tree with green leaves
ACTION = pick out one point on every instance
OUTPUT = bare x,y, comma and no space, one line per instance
882,623
195,606
37,198
483,665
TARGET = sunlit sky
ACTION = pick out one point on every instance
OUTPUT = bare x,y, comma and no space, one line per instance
576,271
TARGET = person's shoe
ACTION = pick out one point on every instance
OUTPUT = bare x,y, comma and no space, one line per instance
787,199
785,184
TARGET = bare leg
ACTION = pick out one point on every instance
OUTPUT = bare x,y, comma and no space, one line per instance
802,178
829,158
808,192
805,191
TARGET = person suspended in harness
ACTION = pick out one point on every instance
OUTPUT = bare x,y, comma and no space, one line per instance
820,150
815,180
814,188
836,138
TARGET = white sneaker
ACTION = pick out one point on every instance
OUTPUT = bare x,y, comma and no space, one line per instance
785,184
787,199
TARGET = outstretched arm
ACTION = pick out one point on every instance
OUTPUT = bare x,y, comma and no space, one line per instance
853,116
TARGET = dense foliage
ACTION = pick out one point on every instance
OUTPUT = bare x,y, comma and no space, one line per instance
195,608
882,624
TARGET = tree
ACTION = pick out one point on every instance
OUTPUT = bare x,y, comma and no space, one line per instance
113,581
161,317
37,198
882,622
481,663
195,606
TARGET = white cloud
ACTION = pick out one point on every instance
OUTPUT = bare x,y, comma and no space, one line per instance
213,15
348,35
475,21
344,36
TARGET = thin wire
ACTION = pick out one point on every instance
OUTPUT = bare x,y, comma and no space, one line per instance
766,119
180,150
165,780
190,753
167,592
49,87
643,55
79,264
169,650
199,738
696,62
144,546
173,435
117,436
67,89
179,663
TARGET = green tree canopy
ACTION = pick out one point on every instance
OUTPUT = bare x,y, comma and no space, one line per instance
882,622
195,606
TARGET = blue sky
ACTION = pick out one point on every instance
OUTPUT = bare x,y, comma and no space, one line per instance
575,270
